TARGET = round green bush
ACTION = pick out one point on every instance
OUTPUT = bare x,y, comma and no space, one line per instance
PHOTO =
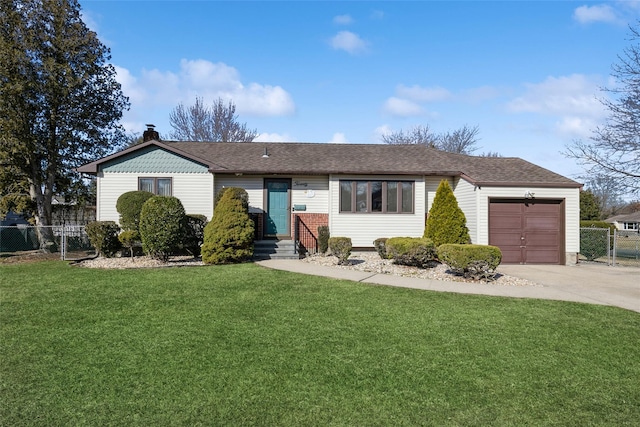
228,237
380,245
129,206
412,251
161,226
341,248
471,261
446,222
103,236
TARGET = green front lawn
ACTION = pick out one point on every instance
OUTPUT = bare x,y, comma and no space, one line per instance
243,345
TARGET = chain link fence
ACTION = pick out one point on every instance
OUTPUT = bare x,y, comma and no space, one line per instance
70,241
617,248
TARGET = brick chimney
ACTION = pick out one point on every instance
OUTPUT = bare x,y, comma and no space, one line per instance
150,134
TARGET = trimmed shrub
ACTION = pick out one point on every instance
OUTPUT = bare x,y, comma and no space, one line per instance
598,224
161,226
323,238
129,206
193,233
594,239
228,238
103,236
238,193
129,239
412,251
478,262
446,222
341,247
381,247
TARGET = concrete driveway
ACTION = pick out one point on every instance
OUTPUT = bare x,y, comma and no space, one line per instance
587,283
590,283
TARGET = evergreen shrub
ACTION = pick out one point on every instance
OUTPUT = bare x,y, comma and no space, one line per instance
412,251
228,237
161,226
381,247
341,247
103,236
478,262
237,192
594,239
129,206
446,222
323,238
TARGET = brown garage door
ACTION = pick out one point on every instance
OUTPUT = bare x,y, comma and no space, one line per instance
527,231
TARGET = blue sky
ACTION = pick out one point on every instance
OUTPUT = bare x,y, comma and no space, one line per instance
528,74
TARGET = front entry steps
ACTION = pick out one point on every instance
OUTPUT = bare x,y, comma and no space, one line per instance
274,249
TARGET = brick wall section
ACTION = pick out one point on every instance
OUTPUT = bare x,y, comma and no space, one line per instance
311,220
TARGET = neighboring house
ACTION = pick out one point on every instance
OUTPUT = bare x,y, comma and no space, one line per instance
628,222
13,219
361,191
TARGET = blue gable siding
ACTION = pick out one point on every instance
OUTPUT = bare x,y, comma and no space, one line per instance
153,160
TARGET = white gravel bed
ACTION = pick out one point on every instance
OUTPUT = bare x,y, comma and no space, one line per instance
361,261
139,262
371,262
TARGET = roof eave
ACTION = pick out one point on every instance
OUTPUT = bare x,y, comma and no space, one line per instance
93,167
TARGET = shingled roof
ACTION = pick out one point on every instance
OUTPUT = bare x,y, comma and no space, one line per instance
380,159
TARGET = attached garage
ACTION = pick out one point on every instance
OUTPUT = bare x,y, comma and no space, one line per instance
528,231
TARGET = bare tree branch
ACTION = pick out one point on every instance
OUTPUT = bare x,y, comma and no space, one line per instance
217,123
613,150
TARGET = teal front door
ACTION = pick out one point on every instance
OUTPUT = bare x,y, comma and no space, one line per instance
277,207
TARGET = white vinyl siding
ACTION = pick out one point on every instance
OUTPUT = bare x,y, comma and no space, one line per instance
571,210
363,229
311,191
466,196
252,184
195,191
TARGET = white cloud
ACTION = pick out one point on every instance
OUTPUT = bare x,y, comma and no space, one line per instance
574,94
573,127
423,94
349,42
338,138
482,93
205,79
381,131
596,13
342,19
403,107
273,137
571,99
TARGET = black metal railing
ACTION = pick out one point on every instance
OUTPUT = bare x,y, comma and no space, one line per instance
305,241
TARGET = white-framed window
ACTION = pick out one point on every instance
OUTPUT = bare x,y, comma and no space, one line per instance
633,226
158,186
377,196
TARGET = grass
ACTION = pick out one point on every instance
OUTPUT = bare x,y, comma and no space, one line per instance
243,345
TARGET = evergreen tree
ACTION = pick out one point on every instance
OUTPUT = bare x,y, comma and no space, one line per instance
589,206
60,102
446,222
228,237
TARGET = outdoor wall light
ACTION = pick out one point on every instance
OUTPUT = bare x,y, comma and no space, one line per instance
529,194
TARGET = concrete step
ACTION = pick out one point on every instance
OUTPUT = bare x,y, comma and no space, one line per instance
274,249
